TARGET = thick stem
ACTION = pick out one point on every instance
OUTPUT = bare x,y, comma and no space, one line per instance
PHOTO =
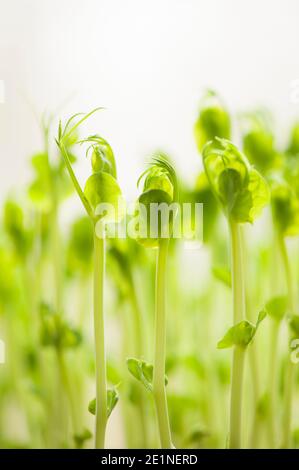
160,349
238,287
99,338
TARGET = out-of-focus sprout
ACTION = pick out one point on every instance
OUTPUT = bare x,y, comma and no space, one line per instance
213,120
285,210
258,141
242,193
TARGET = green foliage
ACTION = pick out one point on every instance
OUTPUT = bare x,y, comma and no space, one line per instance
143,372
14,225
258,142
56,332
112,400
285,208
239,188
241,334
102,188
293,146
213,120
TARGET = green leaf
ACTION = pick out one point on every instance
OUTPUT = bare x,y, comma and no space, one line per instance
293,147
285,208
277,307
252,199
143,372
102,158
223,274
14,226
159,187
240,189
112,399
213,120
102,188
258,141
241,334
56,332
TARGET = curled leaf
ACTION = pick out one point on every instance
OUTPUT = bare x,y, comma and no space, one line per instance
240,189
154,212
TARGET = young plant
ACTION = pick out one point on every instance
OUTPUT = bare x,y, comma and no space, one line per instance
213,120
242,193
285,212
276,309
100,188
159,188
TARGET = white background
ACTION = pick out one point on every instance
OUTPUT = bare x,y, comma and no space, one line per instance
147,62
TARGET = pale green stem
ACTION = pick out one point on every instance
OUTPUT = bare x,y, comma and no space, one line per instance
272,384
57,263
289,377
99,338
159,390
238,287
69,391
139,348
236,398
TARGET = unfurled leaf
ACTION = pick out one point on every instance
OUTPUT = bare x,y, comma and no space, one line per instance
241,334
112,399
143,372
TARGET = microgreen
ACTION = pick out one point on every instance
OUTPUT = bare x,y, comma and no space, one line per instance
101,187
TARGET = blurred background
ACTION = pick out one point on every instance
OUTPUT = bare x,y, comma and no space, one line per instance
147,62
